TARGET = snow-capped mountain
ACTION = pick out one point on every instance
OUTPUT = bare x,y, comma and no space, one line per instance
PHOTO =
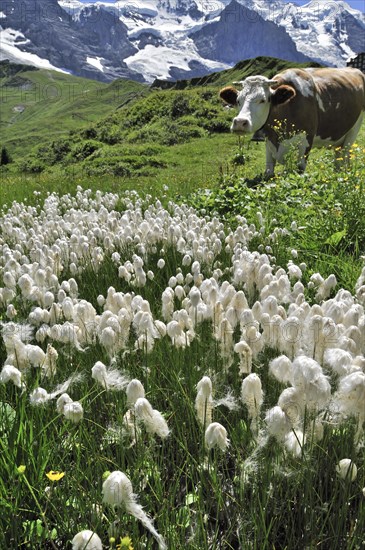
148,39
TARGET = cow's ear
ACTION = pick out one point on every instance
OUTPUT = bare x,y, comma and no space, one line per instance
229,95
282,94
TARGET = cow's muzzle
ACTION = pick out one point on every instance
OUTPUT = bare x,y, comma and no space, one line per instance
241,126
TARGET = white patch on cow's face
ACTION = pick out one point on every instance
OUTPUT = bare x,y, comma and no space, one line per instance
254,105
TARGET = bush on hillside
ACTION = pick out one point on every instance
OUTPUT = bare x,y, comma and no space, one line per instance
84,149
89,133
53,152
180,106
109,134
4,156
31,165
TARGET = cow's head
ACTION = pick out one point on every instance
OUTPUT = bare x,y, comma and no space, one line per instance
254,100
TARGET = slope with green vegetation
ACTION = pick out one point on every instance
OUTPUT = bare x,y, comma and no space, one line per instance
38,105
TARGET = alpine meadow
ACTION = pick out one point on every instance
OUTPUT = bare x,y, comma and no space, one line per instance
182,339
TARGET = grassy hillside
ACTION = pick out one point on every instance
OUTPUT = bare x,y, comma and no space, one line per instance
134,139
38,105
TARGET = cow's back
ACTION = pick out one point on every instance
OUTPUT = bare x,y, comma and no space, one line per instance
340,97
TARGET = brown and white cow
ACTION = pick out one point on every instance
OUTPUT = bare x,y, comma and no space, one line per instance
312,107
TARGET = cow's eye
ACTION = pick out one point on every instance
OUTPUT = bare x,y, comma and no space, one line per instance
262,101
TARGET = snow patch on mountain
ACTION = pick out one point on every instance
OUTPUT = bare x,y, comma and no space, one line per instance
11,40
163,62
95,62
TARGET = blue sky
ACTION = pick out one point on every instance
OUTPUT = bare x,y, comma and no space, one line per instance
357,4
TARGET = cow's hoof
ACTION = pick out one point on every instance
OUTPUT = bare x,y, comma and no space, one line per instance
255,182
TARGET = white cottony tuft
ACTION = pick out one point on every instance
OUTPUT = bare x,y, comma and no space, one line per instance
86,540
294,442
109,379
347,469
204,401
245,354
39,396
118,491
73,411
10,373
252,396
62,401
310,381
152,419
216,436
281,369
134,391
277,422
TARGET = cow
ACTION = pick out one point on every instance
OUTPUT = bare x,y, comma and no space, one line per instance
313,107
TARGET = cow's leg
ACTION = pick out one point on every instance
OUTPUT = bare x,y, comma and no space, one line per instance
350,138
270,161
303,159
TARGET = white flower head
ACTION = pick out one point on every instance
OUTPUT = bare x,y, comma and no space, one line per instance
294,442
281,369
277,422
346,469
73,411
10,373
62,401
204,401
216,436
86,540
245,354
49,364
151,418
134,391
252,395
39,396
109,379
117,491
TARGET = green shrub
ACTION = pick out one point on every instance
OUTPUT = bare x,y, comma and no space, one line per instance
31,165
4,156
53,152
89,133
180,106
84,149
109,134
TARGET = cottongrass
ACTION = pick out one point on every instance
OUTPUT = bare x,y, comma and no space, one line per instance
117,491
143,304
86,540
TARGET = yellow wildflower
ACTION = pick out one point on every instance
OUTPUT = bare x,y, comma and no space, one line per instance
125,544
21,469
55,476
